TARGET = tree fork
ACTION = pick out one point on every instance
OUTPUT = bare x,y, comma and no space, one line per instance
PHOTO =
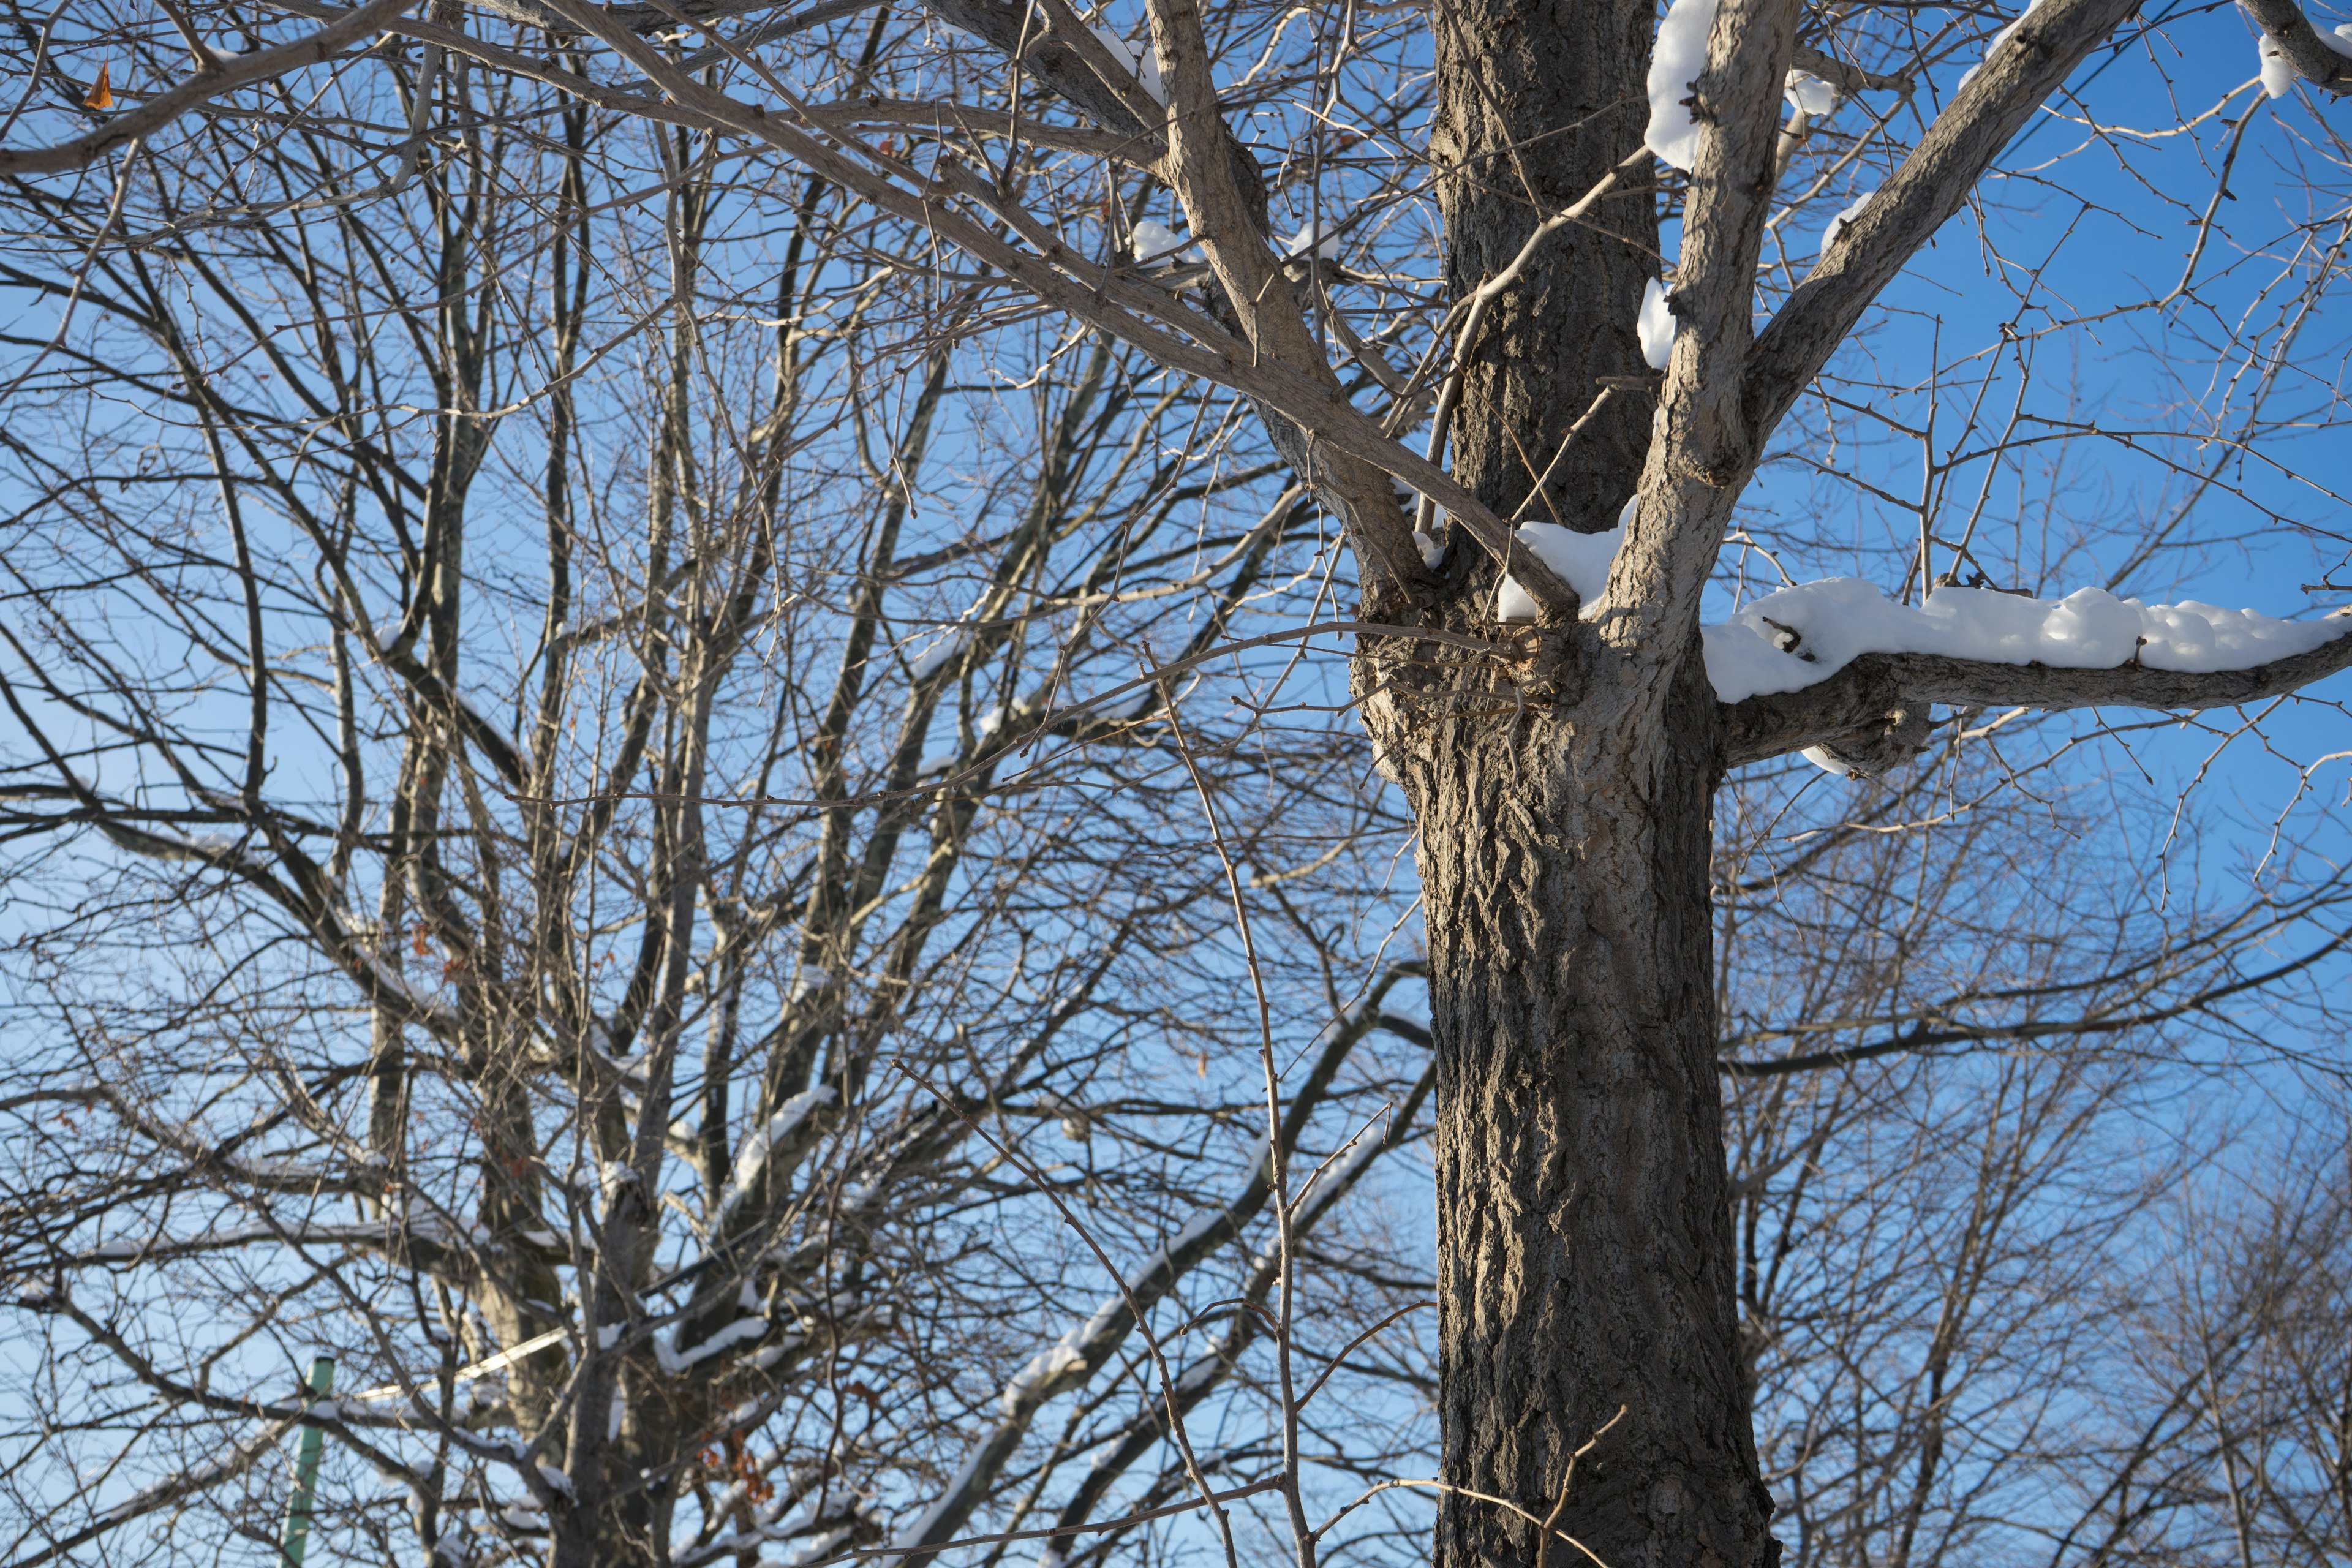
1585,1252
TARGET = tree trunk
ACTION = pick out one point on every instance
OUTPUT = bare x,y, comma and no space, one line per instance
1584,1237
1585,1255
1537,101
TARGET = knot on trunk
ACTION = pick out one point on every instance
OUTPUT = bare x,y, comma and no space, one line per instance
1545,668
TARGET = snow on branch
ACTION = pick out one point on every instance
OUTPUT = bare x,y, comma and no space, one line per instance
2290,46
1800,636
1875,667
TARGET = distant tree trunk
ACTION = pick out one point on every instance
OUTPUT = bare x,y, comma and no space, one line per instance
1585,1255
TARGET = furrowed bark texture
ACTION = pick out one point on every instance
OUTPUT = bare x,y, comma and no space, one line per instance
1581,1166
1537,101
1584,1248
1585,1255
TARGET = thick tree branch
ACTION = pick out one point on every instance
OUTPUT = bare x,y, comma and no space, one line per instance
1230,227
1309,396
1861,700
2021,70
2299,41
1701,448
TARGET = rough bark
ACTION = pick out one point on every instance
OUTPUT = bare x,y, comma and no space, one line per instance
1536,103
1879,694
1584,1251
1584,1255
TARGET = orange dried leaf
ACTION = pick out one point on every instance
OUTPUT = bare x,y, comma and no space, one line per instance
100,96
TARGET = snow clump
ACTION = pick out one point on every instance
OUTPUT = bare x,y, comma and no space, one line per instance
1803,634
1808,94
1582,561
1675,65
2000,38
2278,71
1143,66
1311,236
1657,324
1155,241
1837,227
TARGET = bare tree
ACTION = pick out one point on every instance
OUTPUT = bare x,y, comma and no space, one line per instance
646,979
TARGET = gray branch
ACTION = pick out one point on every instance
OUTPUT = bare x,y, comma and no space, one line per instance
2018,74
2313,57
1884,696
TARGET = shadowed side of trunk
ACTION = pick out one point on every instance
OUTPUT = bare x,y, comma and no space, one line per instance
1537,100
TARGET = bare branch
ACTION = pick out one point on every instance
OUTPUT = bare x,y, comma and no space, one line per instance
228,76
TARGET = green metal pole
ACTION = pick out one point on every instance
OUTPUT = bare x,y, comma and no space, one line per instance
306,1471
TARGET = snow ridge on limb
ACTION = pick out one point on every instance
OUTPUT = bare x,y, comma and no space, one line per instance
1876,695
1800,636
1701,448
2317,59
1676,62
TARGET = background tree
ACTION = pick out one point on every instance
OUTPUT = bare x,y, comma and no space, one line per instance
627,1002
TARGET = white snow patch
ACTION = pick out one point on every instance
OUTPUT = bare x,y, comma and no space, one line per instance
1581,560
1674,65
2279,72
1808,94
1800,636
1067,1354
1155,241
751,1157
1657,324
1143,65
936,653
1199,1226
1819,757
674,1361
950,1495
1312,235
1837,227
771,1355
820,1546
2000,38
